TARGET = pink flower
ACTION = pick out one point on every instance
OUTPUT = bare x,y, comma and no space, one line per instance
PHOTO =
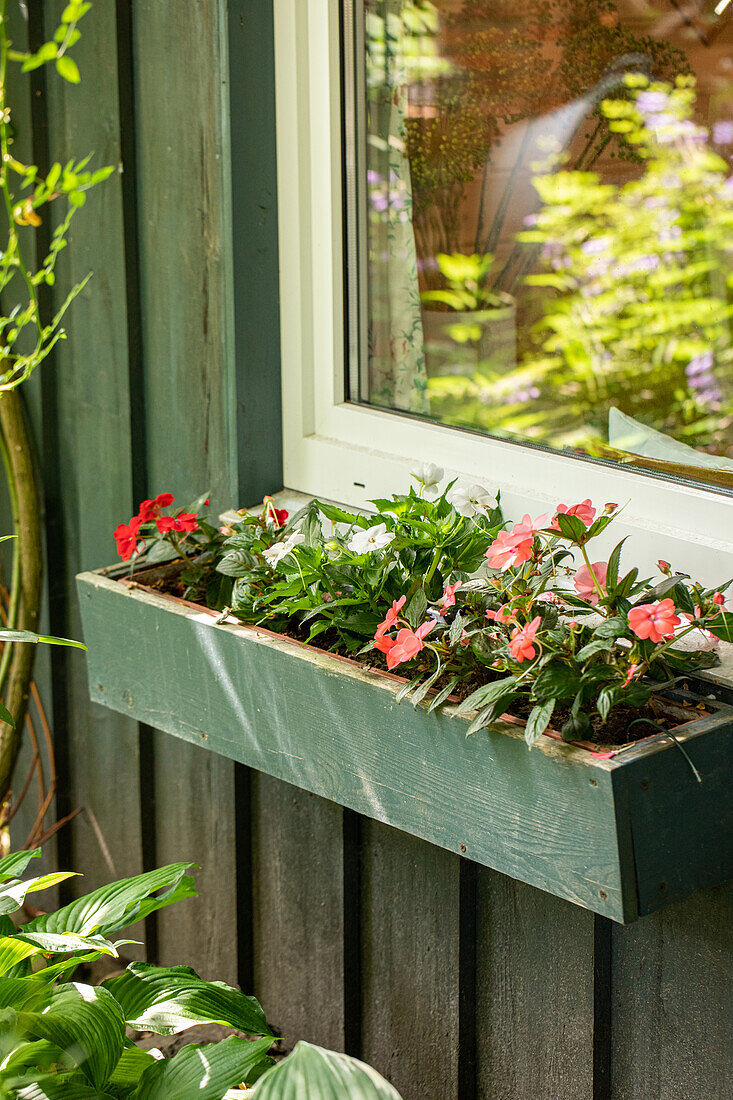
719,599
584,511
384,643
629,675
503,615
584,583
408,644
521,646
512,548
655,621
391,617
664,566
448,598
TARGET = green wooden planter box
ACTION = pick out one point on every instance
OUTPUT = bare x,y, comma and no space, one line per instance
621,836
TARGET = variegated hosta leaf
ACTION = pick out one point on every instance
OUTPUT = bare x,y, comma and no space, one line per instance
87,1024
169,999
13,865
119,904
69,1088
203,1072
312,1073
13,894
14,949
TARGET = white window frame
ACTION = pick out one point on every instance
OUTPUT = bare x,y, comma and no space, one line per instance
351,453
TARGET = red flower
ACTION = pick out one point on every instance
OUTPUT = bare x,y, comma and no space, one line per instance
126,538
719,599
383,643
185,521
655,621
522,644
407,644
149,509
280,515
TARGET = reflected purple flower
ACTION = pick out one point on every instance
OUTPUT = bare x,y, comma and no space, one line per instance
702,382
723,133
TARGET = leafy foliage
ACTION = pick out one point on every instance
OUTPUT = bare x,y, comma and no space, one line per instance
26,337
62,1039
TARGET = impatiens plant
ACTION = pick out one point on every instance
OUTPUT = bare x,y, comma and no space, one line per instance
495,619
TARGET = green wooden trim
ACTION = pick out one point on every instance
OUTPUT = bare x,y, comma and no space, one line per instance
329,726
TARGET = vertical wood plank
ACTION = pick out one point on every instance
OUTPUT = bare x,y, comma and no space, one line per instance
535,993
88,448
672,1032
298,912
185,259
410,962
254,233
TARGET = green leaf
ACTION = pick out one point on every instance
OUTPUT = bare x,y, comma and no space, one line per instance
68,69
491,712
13,894
572,527
14,864
14,951
538,721
87,1024
577,727
312,1073
660,590
419,693
29,636
131,1066
556,681
202,1072
340,515
74,1088
487,693
443,694
416,608
721,626
119,904
607,696
613,566
168,999
598,645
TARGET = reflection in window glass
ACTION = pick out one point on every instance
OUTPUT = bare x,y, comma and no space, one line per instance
545,222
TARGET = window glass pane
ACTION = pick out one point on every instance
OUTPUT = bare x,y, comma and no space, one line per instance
541,222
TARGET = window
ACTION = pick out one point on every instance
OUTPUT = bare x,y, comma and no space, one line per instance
430,310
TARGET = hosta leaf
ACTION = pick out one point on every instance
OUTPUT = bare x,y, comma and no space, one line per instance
23,993
88,1025
132,1066
13,894
202,1072
120,903
13,951
74,1088
311,1073
13,865
168,999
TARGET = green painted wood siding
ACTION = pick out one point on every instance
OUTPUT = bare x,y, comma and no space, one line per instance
454,981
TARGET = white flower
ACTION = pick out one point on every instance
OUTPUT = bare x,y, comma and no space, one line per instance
428,474
470,499
374,538
279,550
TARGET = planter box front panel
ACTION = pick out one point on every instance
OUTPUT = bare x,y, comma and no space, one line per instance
547,817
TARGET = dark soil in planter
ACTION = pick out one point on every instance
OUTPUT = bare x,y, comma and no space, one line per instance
660,715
